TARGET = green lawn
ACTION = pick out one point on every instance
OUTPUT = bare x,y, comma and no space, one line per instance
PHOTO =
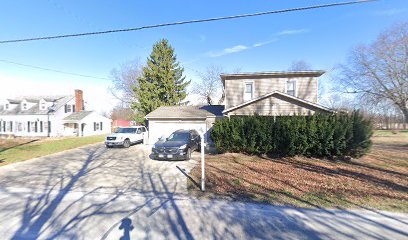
16,150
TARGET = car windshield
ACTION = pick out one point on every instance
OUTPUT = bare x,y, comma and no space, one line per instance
179,136
125,130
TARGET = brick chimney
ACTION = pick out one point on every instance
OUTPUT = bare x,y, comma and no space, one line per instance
79,100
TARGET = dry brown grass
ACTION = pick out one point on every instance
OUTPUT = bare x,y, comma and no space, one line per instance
378,180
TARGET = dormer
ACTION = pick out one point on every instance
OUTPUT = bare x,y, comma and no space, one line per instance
42,105
24,105
7,105
10,104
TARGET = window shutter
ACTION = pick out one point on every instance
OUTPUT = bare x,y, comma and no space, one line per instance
73,108
41,127
65,108
1,126
28,126
11,126
101,127
36,126
94,126
49,126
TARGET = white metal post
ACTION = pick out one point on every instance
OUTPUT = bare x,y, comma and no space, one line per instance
202,163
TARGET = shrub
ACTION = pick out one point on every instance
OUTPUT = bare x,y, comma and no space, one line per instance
319,135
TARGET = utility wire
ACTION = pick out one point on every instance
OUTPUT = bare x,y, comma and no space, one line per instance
188,22
52,70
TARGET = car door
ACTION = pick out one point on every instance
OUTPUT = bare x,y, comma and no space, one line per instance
195,138
138,135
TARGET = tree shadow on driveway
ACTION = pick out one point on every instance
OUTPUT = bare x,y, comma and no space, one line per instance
72,205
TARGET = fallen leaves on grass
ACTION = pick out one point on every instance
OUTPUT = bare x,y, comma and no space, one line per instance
378,180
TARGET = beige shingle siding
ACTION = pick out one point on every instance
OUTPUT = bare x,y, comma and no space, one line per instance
274,106
306,88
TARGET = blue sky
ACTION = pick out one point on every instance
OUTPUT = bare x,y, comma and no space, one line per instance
322,37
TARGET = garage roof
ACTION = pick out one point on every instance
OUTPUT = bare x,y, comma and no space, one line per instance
187,112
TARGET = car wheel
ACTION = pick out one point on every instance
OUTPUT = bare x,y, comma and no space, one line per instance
126,143
188,154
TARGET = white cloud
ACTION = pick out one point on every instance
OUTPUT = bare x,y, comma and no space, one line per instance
390,12
260,44
292,31
226,51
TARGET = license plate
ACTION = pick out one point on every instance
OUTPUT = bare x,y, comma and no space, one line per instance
169,156
161,156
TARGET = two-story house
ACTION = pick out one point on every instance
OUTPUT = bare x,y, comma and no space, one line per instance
272,93
262,93
50,116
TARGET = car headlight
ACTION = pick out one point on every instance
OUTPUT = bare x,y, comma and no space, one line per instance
183,147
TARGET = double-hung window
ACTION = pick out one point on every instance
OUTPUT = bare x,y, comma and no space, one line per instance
249,91
291,88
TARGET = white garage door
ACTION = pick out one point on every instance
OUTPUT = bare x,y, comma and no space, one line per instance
158,129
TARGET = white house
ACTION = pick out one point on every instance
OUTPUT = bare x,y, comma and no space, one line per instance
45,116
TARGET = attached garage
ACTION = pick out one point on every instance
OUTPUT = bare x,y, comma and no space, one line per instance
165,120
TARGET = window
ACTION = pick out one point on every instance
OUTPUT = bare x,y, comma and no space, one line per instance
96,126
24,106
9,127
43,106
290,88
125,130
7,106
248,94
68,108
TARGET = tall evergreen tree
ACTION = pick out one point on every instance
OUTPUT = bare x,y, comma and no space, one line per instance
162,83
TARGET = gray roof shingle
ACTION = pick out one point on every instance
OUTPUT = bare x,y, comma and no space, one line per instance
76,116
59,101
187,111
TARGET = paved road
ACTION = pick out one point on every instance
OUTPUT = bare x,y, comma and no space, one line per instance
98,193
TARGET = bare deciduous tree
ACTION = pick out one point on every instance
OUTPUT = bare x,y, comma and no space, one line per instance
122,113
378,73
124,79
300,65
210,86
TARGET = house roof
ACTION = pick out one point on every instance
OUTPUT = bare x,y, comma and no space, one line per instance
309,73
281,94
59,101
77,116
186,111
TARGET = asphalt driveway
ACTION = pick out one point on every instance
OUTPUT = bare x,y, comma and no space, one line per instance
98,193
98,169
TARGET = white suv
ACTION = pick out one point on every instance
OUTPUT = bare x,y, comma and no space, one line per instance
126,136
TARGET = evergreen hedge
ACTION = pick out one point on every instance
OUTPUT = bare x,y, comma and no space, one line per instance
319,135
